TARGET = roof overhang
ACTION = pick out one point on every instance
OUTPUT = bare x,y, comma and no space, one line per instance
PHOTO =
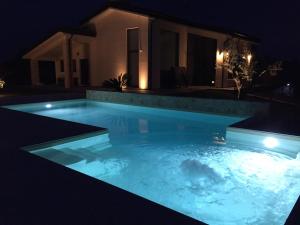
157,15
55,41
51,42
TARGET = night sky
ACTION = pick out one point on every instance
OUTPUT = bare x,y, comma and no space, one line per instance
276,23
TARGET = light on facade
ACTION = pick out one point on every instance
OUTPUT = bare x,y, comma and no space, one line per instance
249,58
220,56
143,83
143,77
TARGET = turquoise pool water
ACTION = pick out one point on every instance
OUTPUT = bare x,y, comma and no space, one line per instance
177,159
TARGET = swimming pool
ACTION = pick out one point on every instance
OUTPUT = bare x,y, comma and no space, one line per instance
177,159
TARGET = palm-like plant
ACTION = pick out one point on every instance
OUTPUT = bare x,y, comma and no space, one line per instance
2,83
116,83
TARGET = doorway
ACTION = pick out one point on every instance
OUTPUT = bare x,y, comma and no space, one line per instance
133,48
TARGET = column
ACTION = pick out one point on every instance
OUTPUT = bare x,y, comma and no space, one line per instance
183,41
67,57
155,45
57,70
219,76
78,70
143,60
34,72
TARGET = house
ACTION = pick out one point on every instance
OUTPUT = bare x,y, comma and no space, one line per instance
144,44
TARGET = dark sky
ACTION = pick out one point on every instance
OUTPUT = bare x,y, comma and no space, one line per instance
276,23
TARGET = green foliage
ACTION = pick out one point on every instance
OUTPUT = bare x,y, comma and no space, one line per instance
238,61
116,83
238,64
2,83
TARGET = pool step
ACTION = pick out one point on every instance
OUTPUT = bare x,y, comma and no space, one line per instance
93,142
96,143
281,143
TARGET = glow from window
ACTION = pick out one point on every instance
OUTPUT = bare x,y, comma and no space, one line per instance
270,142
48,106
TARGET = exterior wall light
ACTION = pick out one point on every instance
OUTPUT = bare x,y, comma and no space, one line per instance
249,58
220,56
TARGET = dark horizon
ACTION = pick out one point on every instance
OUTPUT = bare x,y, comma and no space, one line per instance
274,24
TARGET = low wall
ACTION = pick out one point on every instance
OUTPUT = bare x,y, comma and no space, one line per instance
217,106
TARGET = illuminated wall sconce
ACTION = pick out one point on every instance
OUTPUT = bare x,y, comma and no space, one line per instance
249,58
220,56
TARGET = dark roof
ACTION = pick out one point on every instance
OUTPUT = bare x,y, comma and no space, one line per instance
132,8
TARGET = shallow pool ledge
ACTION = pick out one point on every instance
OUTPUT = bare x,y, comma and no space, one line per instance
281,143
216,106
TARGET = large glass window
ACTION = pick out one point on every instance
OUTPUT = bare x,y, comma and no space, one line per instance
169,57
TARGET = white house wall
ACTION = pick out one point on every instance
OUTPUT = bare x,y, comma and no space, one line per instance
79,51
108,51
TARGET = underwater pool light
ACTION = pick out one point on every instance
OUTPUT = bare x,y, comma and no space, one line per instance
48,106
270,142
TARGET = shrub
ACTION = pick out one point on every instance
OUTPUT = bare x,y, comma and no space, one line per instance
116,83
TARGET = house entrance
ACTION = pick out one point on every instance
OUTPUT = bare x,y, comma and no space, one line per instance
133,47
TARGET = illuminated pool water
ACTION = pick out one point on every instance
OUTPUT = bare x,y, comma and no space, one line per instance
178,160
